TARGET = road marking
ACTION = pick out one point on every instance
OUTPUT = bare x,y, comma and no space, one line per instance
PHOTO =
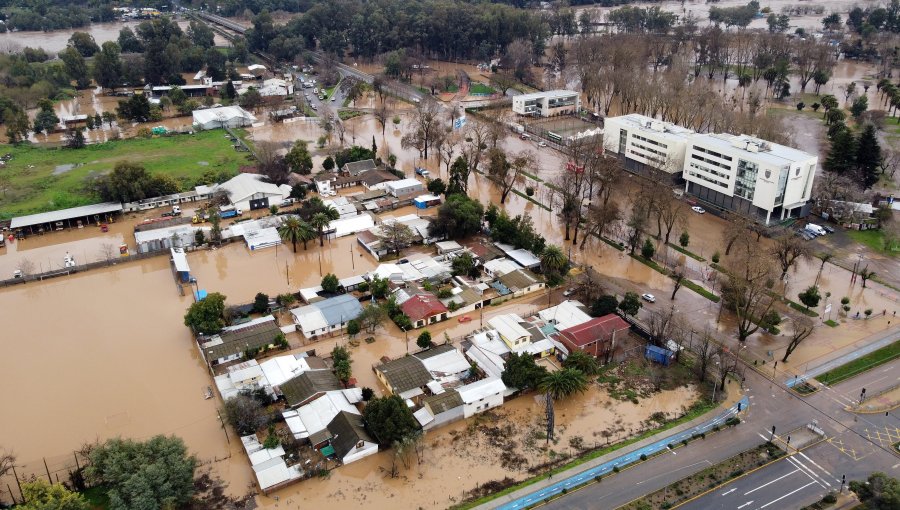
667,473
728,492
773,481
818,466
786,495
746,504
813,473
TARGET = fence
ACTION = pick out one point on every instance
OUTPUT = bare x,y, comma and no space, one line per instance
64,469
82,267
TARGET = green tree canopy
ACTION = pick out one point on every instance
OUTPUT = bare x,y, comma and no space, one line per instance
388,419
810,297
563,383
342,363
459,216
630,304
107,66
330,283
158,473
868,156
583,362
604,305
299,159
522,372
424,340
39,495
882,492
207,316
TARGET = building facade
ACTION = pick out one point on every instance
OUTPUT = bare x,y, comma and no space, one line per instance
647,146
547,104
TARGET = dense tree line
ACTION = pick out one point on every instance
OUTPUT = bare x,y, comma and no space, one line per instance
445,29
61,14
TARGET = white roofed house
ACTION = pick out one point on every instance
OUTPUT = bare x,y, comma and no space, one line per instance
482,395
226,116
269,466
249,192
246,376
404,188
521,336
326,316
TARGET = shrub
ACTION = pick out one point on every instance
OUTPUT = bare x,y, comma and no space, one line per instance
684,442
598,478
715,258
615,469
643,456
731,422
529,191
736,473
565,490
829,498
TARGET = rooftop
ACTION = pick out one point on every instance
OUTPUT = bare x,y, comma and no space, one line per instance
519,279
550,94
404,374
753,148
243,186
645,124
481,389
423,306
346,431
444,402
358,167
509,326
301,388
565,315
600,328
237,339
222,114
65,214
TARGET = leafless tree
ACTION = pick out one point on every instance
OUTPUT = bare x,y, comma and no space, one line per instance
382,114
423,127
736,232
747,291
7,462
678,276
704,348
726,364
26,266
802,327
107,251
663,324
787,249
599,219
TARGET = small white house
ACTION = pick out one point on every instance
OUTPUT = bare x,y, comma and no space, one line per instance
481,395
404,188
248,192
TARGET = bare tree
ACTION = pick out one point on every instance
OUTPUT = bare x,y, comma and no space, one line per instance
678,276
382,114
26,267
7,462
703,348
865,274
747,291
802,327
787,249
340,128
736,233
107,251
726,364
424,127
599,219
663,324
395,236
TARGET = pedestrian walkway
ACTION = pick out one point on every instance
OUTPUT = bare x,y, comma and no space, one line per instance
601,466
848,354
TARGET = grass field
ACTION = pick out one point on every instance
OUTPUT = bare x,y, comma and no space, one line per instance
874,239
860,365
38,179
481,88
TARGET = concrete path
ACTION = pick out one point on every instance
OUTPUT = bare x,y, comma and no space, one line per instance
847,354
604,465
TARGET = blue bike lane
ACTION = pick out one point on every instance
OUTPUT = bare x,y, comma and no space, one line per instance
624,460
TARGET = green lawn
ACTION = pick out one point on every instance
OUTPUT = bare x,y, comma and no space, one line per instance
860,365
481,88
28,184
874,239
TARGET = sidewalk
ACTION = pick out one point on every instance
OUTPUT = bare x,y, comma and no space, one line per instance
847,354
548,487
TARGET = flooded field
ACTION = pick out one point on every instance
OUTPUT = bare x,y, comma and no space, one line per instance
55,41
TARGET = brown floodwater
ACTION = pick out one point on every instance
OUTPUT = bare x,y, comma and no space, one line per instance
57,40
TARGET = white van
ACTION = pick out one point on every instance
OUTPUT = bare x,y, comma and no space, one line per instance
815,229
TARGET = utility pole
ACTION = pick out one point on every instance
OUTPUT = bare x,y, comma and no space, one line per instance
224,428
772,437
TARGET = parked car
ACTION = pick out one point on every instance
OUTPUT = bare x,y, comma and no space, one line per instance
815,229
542,144
569,292
829,229
649,298
699,210
465,318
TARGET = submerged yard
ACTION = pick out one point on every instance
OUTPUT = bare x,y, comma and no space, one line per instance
40,179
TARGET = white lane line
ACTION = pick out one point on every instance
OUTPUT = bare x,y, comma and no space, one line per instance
791,460
728,492
773,481
762,436
667,473
811,474
746,504
786,495
811,470
818,466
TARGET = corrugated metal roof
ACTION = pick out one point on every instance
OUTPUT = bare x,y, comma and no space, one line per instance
65,214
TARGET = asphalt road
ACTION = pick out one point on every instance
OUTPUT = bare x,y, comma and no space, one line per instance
856,446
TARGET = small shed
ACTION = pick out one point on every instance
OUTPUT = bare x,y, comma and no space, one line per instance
426,201
659,355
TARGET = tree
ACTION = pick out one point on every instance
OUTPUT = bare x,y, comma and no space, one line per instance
328,164
868,156
459,216
747,291
321,220
424,340
84,44
136,108
810,297
802,328
75,67
129,182
388,419
158,473
436,186
39,495
251,99
787,249
865,274
859,106
128,42
684,239
16,122
522,372
330,283
880,492
395,236
583,362
298,158
245,413
678,275
647,249
553,260
260,303
295,230
207,316
353,328
604,305
371,317
424,127
342,363
45,119
563,383
464,265
841,157
367,394
631,304
107,66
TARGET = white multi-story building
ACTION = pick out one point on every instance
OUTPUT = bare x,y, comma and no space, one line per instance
753,177
547,104
646,143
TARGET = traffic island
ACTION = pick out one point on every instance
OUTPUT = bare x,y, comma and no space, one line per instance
700,483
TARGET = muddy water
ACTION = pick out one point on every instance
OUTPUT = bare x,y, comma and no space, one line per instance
57,40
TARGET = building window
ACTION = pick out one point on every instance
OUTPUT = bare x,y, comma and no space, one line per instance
782,185
623,140
745,183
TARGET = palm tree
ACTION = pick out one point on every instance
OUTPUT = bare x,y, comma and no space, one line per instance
826,257
553,260
565,382
290,231
307,233
321,220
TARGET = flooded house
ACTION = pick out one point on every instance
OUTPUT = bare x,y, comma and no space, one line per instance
269,466
222,117
460,403
404,188
249,192
423,309
348,440
234,341
596,337
520,282
432,371
326,316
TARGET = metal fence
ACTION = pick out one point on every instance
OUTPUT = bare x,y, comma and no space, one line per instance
64,469
81,268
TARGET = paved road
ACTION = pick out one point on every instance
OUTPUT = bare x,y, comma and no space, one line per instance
873,343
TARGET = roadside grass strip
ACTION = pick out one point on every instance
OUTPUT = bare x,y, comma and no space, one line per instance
685,282
859,365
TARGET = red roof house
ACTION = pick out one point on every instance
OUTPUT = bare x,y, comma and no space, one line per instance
423,309
596,337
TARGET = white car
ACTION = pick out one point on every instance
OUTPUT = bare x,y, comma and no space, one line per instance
697,209
650,298
569,292
542,144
